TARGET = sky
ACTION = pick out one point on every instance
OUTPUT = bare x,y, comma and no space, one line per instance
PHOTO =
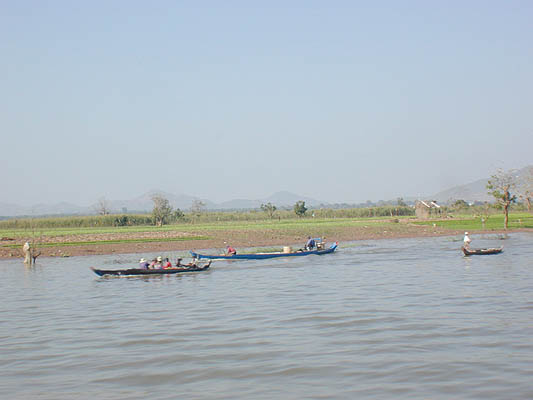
340,101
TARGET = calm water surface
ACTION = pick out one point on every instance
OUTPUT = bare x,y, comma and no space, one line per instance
389,319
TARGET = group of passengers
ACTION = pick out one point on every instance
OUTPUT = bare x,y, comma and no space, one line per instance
160,263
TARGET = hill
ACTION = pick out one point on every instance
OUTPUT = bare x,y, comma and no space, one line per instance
144,203
472,192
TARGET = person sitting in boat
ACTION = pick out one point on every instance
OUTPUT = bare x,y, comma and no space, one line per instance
466,241
143,264
230,251
157,263
167,263
310,245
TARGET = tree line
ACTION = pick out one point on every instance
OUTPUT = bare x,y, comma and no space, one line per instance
505,186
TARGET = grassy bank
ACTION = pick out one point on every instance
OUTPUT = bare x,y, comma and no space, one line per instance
54,241
295,225
473,223
144,220
262,231
288,225
117,241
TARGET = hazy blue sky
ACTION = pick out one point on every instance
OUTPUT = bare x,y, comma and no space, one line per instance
342,101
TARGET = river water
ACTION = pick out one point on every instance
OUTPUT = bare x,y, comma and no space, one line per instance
387,319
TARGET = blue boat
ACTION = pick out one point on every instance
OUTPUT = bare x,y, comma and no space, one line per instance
263,256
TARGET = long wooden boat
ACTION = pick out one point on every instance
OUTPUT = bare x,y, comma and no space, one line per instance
473,252
262,256
137,271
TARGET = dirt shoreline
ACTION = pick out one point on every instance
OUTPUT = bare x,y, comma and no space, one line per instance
218,240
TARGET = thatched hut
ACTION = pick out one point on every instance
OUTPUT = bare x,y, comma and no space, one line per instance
427,209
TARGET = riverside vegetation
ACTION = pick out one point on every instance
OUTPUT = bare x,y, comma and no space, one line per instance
78,235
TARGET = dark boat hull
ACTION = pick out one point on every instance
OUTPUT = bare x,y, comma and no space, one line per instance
144,272
263,256
479,252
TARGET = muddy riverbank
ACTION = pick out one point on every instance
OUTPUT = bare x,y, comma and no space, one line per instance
142,242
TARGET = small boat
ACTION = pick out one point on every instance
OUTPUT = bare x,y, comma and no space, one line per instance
137,271
473,252
263,256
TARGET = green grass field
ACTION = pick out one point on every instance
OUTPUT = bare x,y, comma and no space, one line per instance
94,242
473,223
290,225
295,226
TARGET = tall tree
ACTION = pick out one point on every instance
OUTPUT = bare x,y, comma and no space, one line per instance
197,208
102,207
300,208
500,186
460,204
178,215
269,208
525,186
162,209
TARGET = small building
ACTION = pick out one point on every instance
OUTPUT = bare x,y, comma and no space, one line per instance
427,209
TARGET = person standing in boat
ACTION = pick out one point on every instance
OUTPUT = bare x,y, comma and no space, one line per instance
230,251
466,241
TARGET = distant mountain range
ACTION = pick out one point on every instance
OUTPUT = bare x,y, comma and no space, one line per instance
471,192
144,203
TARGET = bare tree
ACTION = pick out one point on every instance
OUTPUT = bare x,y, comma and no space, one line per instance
162,209
269,208
500,186
197,208
525,186
102,206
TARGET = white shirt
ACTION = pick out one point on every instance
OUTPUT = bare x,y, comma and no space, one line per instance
467,240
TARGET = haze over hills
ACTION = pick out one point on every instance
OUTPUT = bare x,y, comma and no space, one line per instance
471,192
144,203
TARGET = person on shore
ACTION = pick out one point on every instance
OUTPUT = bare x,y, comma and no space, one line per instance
143,264
310,245
230,251
466,241
27,253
